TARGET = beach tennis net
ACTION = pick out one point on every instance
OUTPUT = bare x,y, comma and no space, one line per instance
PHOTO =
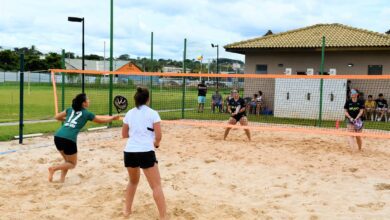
296,103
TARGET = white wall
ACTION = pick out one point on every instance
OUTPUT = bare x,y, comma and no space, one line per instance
298,105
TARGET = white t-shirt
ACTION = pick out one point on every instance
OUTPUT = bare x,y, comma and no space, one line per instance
141,134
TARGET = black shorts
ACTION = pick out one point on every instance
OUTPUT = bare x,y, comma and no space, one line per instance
238,117
67,146
140,159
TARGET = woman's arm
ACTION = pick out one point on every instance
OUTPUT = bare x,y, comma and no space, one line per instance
347,114
360,113
105,119
125,131
242,109
229,109
60,116
158,134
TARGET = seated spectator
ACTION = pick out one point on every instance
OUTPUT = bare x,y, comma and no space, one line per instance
253,104
369,105
361,97
226,102
381,107
259,103
216,101
247,101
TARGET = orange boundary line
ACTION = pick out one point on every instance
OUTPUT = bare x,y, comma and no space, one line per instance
278,129
246,75
54,92
269,127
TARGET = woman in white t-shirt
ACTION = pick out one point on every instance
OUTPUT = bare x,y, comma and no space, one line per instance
142,126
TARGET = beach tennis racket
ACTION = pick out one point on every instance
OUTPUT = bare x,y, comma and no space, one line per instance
120,103
358,124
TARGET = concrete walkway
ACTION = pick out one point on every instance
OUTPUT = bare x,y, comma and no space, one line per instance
27,122
53,120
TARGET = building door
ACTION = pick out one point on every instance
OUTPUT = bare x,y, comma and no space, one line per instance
261,69
375,69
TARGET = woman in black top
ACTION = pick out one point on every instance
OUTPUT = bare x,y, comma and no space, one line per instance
354,109
236,109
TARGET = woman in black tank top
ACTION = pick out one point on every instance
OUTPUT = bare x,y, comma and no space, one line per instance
236,108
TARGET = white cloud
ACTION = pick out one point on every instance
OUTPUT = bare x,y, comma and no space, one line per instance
44,23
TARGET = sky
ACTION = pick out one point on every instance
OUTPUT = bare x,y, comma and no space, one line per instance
44,23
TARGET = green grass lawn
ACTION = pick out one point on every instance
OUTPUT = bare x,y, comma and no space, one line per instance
8,132
38,100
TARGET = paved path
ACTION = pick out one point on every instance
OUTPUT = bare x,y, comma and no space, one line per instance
53,120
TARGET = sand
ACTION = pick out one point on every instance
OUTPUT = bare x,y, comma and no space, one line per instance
276,176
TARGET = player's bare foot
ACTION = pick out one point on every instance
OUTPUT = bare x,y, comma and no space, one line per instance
126,212
51,174
163,218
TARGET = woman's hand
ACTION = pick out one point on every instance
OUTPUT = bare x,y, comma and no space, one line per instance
105,119
158,133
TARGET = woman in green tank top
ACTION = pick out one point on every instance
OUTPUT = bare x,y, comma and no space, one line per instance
65,138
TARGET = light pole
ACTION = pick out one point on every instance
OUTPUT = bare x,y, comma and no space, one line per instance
76,19
217,46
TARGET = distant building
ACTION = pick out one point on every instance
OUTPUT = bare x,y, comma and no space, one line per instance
118,65
348,51
100,65
173,69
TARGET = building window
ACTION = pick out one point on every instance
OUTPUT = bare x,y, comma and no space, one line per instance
301,73
280,65
325,73
261,69
375,69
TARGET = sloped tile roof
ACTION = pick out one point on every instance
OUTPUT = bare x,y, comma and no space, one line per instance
94,64
337,35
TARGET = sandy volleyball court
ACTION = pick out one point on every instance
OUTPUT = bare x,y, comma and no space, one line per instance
276,176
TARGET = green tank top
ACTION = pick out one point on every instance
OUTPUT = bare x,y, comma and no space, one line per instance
73,123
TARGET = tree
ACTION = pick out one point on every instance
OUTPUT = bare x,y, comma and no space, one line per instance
53,61
69,55
93,57
34,64
269,32
8,60
124,57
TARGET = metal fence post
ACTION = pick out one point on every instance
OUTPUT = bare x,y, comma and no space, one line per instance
110,98
321,81
63,81
152,70
184,80
21,98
